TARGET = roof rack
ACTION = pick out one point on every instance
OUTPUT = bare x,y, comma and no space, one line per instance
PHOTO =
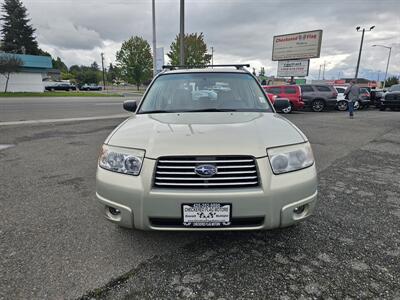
174,67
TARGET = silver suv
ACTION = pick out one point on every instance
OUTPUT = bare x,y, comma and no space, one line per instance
319,96
205,150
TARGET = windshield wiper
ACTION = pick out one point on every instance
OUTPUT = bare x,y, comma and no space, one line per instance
157,111
211,110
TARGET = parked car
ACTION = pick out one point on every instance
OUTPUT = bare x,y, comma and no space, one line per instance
341,102
229,163
364,99
319,96
91,87
376,96
61,86
391,99
291,92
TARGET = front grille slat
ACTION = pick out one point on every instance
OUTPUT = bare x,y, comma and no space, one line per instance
219,167
209,184
208,178
232,171
193,173
203,161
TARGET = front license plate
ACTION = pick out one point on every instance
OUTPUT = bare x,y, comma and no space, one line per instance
206,214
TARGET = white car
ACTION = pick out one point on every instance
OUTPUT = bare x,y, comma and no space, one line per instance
342,103
222,161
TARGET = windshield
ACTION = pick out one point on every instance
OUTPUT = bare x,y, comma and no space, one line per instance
395,88
191,92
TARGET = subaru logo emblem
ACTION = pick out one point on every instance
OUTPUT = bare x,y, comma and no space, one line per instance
206,170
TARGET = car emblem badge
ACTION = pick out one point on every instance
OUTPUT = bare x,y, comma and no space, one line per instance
206,170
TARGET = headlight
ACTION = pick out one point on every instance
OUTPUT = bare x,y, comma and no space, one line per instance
121,160
290,158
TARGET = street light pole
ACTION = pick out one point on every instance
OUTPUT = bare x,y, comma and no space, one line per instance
387,65
361,45
102,67
182,34
319,73
154,39
323,72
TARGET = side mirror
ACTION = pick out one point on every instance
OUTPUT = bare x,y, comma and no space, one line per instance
281,104
130,105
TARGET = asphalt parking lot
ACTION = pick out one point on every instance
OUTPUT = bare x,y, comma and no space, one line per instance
54,244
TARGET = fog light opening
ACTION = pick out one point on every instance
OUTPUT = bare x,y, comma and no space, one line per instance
114,211
300,210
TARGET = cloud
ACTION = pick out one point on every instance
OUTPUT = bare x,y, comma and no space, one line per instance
65,35
239,30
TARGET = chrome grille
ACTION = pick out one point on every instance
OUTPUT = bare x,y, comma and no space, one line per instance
232,171
392,97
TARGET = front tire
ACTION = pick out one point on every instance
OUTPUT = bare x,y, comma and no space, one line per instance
342,105
288,110
357,105
318,105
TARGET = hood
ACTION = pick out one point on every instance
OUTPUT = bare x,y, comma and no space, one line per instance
215,133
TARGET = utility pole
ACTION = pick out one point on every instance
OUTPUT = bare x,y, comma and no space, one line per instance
212,56
182,34
154,39
319,73
323,72
102,67
388,61
361,45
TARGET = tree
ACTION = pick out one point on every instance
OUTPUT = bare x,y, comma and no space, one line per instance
9,64
391,81
94,66
60,65
262,71
74,69
112,73
195,51
134,61
17,33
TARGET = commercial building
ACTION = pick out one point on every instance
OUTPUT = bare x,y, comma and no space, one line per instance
29,77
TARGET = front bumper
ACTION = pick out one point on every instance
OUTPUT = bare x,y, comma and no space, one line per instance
270,205
390,103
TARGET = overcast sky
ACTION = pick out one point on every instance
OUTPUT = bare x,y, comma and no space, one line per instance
239,30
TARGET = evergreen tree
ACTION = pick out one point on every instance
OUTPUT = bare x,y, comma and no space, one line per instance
391,81
94,66
59,64
112,73
17,33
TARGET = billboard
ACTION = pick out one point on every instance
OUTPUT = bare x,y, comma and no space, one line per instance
288,68
301,45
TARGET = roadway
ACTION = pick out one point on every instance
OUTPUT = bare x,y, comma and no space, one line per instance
55,244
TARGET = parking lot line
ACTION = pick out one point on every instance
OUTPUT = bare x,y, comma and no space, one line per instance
42,121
